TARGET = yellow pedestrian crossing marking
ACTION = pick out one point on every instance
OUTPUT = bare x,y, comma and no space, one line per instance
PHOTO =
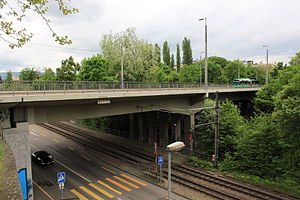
124,181
80,196
118,184
112,189
134,180
90,193
71,148
101,190
44,135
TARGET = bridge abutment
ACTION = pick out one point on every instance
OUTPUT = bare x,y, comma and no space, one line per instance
18,141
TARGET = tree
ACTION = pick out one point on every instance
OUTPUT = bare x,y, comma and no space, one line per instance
157,53
96,68
138,56
235,69
8,76
178,59
68,70
48,75
29,74
187,57
295,60
14,12
172,62
166,53
189,73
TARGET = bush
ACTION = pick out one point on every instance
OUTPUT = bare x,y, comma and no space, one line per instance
196,162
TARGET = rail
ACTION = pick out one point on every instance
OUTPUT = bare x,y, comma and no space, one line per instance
46,87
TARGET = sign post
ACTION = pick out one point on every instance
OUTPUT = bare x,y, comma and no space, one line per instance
160,161
61,179
155,157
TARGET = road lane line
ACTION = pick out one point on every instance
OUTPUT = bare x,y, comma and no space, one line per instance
35,147
48,195
85,157
73,171
90,193
71,148
134,180
44,135
34,133
108,170
55,140
80,196
118,184
128,183
67,167
112,189
101,190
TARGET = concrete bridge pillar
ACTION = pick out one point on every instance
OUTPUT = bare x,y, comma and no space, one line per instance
141,127
18,141
131,126
178,129
164,128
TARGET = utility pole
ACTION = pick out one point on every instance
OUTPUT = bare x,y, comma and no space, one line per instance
216,157
267,67
122,67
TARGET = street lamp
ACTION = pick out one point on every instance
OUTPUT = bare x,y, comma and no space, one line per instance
267,67
205,77
176,146
201,67
122,67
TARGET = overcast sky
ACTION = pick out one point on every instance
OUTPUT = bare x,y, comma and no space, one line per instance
237,29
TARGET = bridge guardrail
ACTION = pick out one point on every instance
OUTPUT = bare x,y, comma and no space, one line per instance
46,87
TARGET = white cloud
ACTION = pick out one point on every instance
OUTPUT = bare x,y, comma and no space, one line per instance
236,29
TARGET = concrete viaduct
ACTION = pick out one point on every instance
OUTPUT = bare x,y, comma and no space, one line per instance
24,103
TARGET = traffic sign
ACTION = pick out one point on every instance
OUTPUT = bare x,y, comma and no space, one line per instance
61,177
61,185
160,160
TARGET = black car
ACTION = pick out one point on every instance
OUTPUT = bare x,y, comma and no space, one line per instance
42,158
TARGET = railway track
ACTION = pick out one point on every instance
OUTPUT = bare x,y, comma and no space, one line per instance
219,187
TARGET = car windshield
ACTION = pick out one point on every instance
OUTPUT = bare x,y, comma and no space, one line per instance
42,154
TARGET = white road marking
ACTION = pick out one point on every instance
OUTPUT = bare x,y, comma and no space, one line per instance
34,133
67,168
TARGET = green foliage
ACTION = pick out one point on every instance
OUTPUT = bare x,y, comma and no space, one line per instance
166,53
8,76
187,57
196,162
68,70
259,149
189,73
172,62
29,74
96,68
138,56
295,60
48,75
231,126
13,13
157,53
178,59
163,73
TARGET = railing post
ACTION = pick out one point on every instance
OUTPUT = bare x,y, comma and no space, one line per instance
64,87
44,88
28,89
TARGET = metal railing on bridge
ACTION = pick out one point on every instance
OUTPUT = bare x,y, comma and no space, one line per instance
46,87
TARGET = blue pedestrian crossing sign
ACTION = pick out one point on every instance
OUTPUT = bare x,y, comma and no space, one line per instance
61,177
160,160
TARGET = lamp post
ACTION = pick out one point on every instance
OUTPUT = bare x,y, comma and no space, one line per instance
267,67
122,67
176,146
201,67
205,75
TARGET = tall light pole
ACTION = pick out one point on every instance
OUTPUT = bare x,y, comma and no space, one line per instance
205,75
176,146
122,67
267,67
201,67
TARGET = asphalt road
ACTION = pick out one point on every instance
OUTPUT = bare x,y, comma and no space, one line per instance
86,176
